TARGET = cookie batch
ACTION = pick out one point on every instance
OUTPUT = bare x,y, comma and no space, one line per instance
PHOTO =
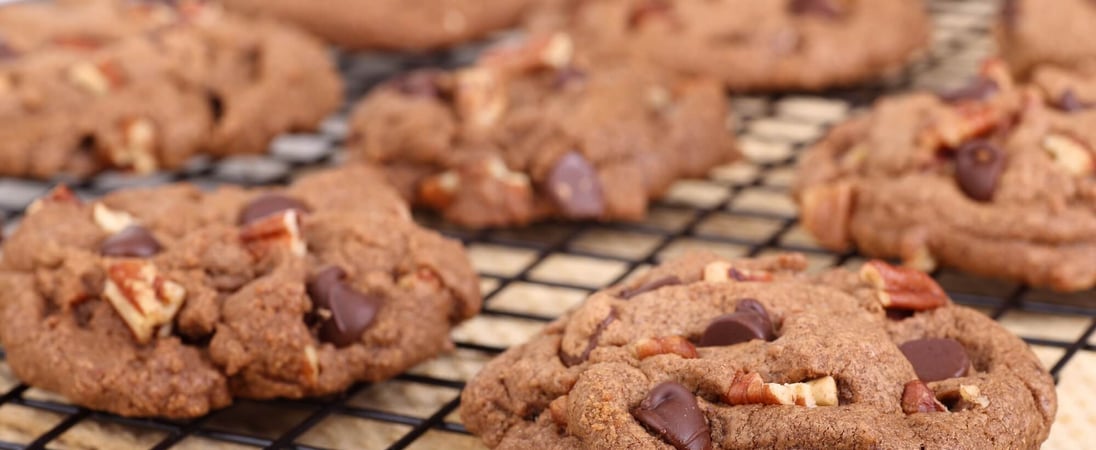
176,301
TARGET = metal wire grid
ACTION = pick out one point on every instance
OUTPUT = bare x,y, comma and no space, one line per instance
695,214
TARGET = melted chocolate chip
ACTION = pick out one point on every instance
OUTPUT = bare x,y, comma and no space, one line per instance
831,9
268,204
979,89
1069,102
591,344
671,411
936,359
573,184
351,312
671,280
749,321
978,165
133,241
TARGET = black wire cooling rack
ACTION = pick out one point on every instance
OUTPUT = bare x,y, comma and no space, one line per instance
740,211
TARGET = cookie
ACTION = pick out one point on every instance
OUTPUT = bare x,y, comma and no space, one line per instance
995,179
752,45
141,86
391,24
1030,34
531,133
706,353
170,301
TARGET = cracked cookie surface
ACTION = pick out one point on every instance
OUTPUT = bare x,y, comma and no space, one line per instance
751,45
655,367
392,24
532,133
170,301
996,179
87,86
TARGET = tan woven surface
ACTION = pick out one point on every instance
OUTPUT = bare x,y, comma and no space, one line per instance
540,272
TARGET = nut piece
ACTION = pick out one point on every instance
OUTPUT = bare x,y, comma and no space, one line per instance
959,124
146,301
648,347
310,370
481,98
111,221
970,396
750,389
903,287
1070,153
276,231
918,398
98,79
138,146
553,51
60,194
825,212
722,272
498,170
438,191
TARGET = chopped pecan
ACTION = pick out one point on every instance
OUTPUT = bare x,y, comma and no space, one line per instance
648,347
59,194
553,51
917,397
902,287
1072,154
750,389
276,231
146,301
109,220
439,190
826,210
481,98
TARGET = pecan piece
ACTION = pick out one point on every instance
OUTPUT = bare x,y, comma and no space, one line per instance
111,221
903,287
146,301
750,389
648,347
917,397
276,231
1070,153
59,194
826,211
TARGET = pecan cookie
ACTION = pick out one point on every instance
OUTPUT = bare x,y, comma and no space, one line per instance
391,24
995,179
141,86
531,133
705,353
1031,33
749,44
169,301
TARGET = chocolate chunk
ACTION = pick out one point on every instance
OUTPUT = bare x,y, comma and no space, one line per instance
670,411
979,89
420,83
827,8
749,321
936,359
351,312
978,165
268,204
572,360
671,280
573,184
1069,102
133,241
6,51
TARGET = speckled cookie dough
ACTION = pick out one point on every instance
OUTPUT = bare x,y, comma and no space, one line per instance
1032,33
392,24
142,86
706,353
170,301
996,179
531,133
751,45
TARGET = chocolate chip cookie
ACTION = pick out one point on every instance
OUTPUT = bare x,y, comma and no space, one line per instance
996,179
1032,33
145,85
171,301
705,353
391,24
530,132
748,44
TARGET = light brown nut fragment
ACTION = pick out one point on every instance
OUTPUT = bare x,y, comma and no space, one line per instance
498,170
60,194
959,124
138,149
481,98
99,79
1070,153
903,287
310,369
722,271
438,191
825,212
111,221
966,396
648,347
918,398
146,301
280,231
553,51
750,389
